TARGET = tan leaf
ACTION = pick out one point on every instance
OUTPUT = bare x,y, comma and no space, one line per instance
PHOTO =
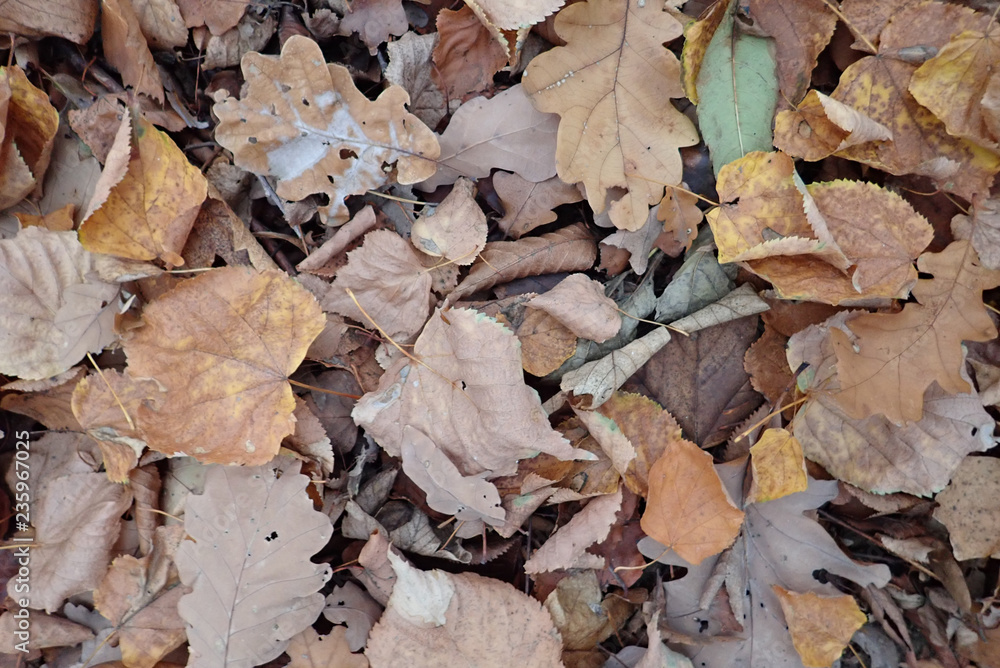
311,650
467,56
570,248
968,508
777,465
410,67
567,546
464,616
55,312
580,303
126,49
820,126
375,21
455,229
252,530
982,227
149,213
821,626
529,205
680,215
60,220
301,143
218,16
514,14
251,33
47,401
615,74
465,391
583,614
545,342
222,346
73,20
688,509
161,23
389,282
502,132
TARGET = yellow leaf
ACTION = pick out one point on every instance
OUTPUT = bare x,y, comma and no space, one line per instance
820,626
612,84
820,126
778,467
28,125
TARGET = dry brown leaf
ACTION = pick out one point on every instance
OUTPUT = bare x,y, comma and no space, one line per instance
615,77
161,23
55,311
467,56
73,20
60,220
126,49
222,346
820,126
410,67
545,342
464,389
566,548
301,143
580,303
375,21
688,509
254,531
455,229
252,33
570,248
390,284
218,16
502,132
583,614
515,14
46,631
47,401
528,205
968,508
821,626
28,130
311,650
149,212
982,227
465,616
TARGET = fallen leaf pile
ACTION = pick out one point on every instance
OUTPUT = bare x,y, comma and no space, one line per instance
585,333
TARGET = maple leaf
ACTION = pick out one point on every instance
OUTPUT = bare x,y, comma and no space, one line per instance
222,346
612,85
305,122
252,529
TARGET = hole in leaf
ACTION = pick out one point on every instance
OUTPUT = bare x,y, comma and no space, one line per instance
346,153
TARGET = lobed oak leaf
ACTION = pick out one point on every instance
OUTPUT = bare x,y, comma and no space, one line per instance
218,16
688,509
311,650
615,78
455,229
467,56
253,586
821,626
465,616
820,126
389,282
982,228
222,346
464,389
777,465
887,361
580,303
55,310
148,212
968,508
504,132
528,205
126,49
375,21
305,123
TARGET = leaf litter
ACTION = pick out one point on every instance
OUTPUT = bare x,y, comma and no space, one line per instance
455,435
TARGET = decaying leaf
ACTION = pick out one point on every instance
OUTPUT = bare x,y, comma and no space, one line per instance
305,123
218,16
410,67
820,126
375,21
615,77
967,506
254,532
222,346
467,56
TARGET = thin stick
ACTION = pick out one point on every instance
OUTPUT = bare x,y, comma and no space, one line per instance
767,417
643,566
131,425
397,199
681,188
320,389
653,322
857,33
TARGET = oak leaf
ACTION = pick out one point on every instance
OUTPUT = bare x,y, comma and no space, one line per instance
222,346
300,115
464,389
615,78
253,531
311,650
528,205
467,616
688,509
580,303
55,310
147,213
349,604
455,229
821,626
375,21
968,508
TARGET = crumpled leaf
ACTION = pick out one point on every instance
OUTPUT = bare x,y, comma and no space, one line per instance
389,282
968,508
311,650
55,312
253,586
821,626
410,67
688,509
502,132
222,346
582,613
580,303
820,126
147,213
529,205
566,548
464,615
615,75
301,144
455,229
464,389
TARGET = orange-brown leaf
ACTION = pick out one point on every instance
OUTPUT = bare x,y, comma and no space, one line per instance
821,626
